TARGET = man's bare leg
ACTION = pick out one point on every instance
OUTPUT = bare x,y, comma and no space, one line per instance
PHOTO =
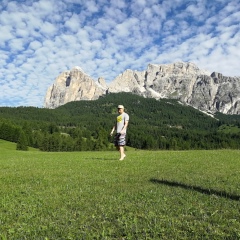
122,154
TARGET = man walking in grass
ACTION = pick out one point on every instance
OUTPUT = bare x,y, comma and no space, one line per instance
120,127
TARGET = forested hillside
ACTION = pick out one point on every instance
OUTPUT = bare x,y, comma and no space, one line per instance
85,125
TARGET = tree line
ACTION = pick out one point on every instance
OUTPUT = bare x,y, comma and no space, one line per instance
85,125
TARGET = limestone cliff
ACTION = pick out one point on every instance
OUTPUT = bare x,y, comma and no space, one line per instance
71,86
182,81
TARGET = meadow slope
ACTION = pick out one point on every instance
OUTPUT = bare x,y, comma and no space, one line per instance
92,195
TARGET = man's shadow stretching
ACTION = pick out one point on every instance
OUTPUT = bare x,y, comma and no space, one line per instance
196,188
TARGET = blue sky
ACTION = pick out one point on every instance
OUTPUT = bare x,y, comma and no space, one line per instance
39,39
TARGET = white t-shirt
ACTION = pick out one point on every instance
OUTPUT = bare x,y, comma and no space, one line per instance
120,122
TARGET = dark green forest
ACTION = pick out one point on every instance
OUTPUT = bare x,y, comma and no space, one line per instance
85,125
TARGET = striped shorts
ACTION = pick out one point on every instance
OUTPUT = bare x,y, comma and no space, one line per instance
120,139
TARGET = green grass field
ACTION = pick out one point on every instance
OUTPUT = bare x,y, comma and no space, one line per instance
92,195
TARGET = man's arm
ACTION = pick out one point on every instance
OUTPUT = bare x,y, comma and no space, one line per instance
113,129
124,127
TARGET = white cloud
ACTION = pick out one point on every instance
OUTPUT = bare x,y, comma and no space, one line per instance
44,8
118,4
126,28
91,6
35,45
48,29
16,45
73,23
40,39
5,34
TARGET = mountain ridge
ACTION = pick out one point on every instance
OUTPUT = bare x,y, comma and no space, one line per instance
184,81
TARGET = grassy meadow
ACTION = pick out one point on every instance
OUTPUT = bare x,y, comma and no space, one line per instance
92,195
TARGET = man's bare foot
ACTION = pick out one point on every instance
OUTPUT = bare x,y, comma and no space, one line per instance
122,157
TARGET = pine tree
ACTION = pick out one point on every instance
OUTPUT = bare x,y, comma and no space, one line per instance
22,143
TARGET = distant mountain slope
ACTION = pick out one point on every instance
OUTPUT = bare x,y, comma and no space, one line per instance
154,124
146,111
181,81
166,110
170,109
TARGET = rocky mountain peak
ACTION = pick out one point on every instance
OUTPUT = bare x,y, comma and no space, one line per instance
73,85
184,81
101,82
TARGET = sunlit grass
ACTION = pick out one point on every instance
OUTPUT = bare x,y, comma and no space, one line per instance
92,195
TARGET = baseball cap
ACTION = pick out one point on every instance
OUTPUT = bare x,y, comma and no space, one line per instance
120,106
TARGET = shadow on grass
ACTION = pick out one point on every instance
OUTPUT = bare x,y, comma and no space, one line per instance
196,188
101,158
